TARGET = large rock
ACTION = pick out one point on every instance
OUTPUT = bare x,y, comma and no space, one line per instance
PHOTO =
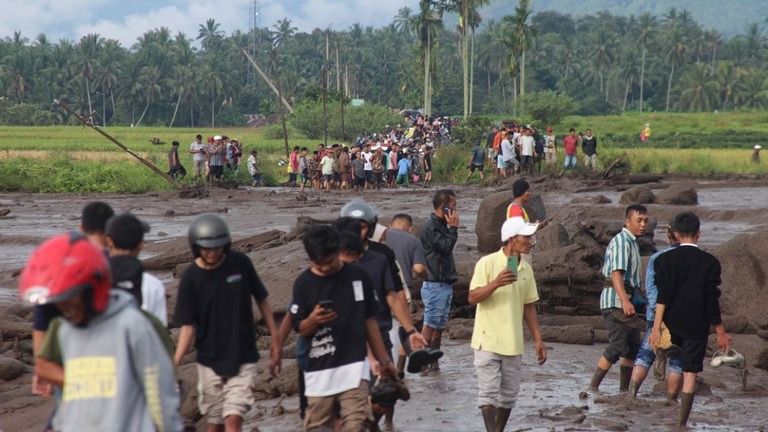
677,195
597,199
460,328
744,270
637,195
551,236
10,368
492,213
573,334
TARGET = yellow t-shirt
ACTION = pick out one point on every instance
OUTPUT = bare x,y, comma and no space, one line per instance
499,319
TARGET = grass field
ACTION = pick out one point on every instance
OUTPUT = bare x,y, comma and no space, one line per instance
80,160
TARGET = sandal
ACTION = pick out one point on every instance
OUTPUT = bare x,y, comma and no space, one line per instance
731,357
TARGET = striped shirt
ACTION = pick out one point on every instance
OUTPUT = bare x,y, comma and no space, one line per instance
216,155
622,254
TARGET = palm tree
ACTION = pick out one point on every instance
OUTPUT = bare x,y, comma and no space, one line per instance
180,82
675,57
402,20
283,31
521,36
714,40
209,34
699,91
427,24
647,27
727,79
631,74
212,83
752,90
150,87
755,44
86,61
603,54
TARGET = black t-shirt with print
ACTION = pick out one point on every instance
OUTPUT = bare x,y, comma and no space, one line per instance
218,303
342,341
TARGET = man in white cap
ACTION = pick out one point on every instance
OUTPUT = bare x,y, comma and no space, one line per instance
756,154
504,290
216,159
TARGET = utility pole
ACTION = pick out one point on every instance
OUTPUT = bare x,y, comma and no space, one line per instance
341,98
325,112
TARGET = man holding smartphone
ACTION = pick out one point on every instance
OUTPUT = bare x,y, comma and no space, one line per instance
504,289
438,237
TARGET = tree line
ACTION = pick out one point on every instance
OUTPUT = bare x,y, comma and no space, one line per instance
606,63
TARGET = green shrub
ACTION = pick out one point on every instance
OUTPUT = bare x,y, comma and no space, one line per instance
275,131
358,121
471,129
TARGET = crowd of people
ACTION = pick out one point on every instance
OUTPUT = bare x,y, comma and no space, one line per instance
104,350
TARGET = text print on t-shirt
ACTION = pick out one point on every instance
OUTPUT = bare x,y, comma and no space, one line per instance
357,286
322,343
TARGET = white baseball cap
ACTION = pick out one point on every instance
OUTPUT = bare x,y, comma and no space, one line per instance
517,226
757,147
217,138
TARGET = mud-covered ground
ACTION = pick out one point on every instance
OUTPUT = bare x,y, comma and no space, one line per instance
265,220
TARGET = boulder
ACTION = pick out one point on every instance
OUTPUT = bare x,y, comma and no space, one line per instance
603,231
744,275
597,199
738,325
637,195
492,213
677,195
574,334
460,328
267,387
551,236
10,368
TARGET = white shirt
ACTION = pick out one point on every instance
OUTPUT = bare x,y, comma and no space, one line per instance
507,150
526,145
153,297
252,165
367,157
197,146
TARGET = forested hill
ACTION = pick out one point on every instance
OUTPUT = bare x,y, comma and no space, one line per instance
729,17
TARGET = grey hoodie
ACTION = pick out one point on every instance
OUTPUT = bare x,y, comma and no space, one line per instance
117,374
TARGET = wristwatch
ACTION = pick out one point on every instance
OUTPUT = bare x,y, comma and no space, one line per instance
411,331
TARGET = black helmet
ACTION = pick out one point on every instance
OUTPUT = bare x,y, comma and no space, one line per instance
360,209
208,231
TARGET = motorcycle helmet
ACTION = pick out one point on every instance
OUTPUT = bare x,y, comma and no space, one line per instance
208,231
64,266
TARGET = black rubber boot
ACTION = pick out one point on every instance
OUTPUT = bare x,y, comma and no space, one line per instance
634,387
686,403
400,363
489,417
671,399
435,346
597,378
502,416
625,376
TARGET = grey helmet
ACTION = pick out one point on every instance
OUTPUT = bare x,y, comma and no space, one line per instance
360,209
208,231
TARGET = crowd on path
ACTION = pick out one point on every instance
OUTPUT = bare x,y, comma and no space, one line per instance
103,347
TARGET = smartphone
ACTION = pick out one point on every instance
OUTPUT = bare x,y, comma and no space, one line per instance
446,210
512,263
326,304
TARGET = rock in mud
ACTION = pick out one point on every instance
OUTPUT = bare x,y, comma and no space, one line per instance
10,368
677,195
575,334
460,328
637,195
492,214
597,199
551,236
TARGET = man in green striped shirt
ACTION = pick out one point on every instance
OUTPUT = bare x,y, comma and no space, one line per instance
621,268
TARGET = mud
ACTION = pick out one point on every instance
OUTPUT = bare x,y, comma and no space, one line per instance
265,223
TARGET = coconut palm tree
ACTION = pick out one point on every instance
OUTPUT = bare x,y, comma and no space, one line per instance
727,79
180,81
402,20
521,36
149,82
699,91
283,32
675,57
752,90
209,34
427,24
86,61
646,28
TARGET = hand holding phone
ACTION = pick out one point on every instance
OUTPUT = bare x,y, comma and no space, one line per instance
328,305
512,263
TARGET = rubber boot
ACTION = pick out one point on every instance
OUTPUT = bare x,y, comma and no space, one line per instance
502,416
401,363
634,387
671,399
489,417
597,378
686,403
625,376
435,345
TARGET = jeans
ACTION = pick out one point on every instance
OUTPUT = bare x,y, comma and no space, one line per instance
570,162
437,297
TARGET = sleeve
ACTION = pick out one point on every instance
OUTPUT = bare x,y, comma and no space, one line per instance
514,210
42,316
162,332
712,293
393,270
257,288
651,291
661,280
389,277
531,290
298,309
186,306
51,349
371,305
480,277
153,297
155,370
418,254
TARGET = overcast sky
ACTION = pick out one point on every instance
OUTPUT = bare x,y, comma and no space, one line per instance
126,20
